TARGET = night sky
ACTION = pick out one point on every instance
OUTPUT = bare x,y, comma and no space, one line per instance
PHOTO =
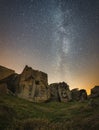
59,37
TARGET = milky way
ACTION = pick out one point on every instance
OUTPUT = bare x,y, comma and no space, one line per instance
62,34
59,37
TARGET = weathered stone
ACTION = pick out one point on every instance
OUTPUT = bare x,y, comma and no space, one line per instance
33,85
75,94
95,92
5,72
6,82
3,89
60,92
12,82
82,95
30,84
78,95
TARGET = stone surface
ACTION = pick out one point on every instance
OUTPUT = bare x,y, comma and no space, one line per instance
12,82
75,94
5,72
78,95
82,95
95,92
60,92
3,88
33,85
6,80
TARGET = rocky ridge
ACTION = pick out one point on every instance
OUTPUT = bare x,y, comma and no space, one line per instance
33,85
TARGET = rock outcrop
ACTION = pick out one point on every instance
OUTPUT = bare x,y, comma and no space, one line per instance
95,92
78,95
5,72
3,89
60,92
11,82
33,85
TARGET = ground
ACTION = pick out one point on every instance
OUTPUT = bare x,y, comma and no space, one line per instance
19,114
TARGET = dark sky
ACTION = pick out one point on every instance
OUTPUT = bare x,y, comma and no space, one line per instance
59,37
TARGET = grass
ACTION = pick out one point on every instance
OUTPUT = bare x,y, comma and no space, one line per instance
19,114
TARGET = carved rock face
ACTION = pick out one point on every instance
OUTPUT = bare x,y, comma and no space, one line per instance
60,92
33,85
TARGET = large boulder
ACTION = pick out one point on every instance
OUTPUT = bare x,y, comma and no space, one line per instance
82,95
95,92
75,94
33,85
78,95
60,92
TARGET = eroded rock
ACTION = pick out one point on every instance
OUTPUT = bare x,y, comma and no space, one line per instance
3,88
95,92
5,72
33,85
78,95
60,92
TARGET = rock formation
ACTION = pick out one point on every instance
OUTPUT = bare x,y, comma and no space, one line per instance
11,82
33,85
82,95
78,95
60,92
75,94
95,92
5,72
3,89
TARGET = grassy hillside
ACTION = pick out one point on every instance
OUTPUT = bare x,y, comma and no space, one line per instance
18,114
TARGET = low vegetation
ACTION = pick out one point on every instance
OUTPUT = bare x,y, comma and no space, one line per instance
19,114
